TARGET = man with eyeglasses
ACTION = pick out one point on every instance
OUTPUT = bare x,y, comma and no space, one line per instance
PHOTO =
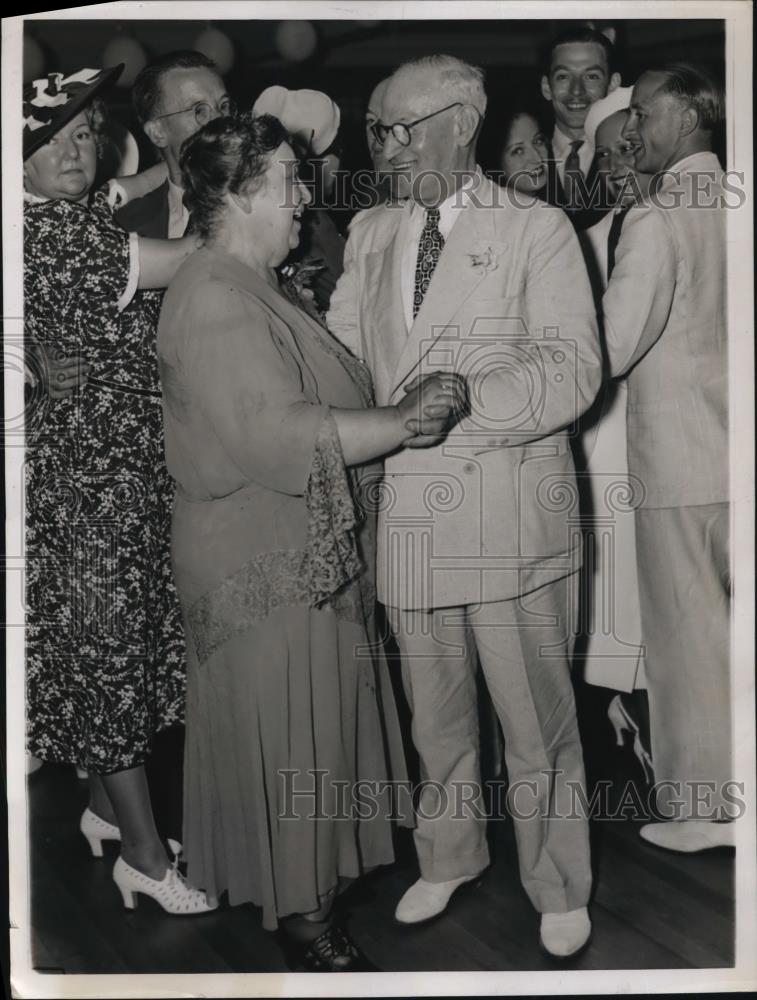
173,96
475,553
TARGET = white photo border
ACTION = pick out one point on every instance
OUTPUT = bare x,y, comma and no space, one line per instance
28,983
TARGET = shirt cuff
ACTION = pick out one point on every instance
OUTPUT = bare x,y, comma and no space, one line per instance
133,281
117,196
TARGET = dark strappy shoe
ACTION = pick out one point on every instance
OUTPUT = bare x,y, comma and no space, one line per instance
332,951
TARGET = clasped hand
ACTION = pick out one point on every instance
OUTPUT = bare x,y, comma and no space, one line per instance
61,374
432,404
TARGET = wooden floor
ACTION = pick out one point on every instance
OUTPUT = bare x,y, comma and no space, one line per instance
651,909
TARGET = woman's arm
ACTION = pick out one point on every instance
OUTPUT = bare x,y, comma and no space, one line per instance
159,260
429,407
367,434
138,185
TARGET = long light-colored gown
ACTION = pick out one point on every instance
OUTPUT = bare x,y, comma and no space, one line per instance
610,595
287,688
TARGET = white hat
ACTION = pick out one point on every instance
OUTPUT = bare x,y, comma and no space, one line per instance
617,100
307,115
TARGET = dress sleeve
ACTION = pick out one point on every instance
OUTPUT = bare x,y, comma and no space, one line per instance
332,552
249,385
98,263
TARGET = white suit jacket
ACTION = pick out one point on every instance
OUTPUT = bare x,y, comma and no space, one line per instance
665,324
492,512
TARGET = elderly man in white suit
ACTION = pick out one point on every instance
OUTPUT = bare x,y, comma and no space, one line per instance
475,547
665,324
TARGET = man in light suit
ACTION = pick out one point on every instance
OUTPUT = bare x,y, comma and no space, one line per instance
665,324
475,551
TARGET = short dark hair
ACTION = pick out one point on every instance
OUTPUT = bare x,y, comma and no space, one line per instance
222,157
146,95
580,34
694,86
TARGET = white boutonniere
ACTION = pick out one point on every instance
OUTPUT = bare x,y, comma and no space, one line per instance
485,261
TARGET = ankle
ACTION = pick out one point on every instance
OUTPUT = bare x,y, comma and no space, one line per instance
150,861
301,928
105,814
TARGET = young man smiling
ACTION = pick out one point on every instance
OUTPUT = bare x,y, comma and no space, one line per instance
580,71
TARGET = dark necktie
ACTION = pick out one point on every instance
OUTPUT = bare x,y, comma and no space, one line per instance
614,236
429,251
573,174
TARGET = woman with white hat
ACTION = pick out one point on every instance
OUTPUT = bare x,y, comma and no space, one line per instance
611,617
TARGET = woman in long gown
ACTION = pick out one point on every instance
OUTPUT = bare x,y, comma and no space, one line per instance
269,435
611,620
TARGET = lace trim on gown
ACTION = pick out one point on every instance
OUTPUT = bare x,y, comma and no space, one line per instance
323,574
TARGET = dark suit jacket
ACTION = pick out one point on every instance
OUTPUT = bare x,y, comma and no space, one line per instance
320,240
147,216
595,197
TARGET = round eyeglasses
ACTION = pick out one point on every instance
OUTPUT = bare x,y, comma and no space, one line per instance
203,111
401,130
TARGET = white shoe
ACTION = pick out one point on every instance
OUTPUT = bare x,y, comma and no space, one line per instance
426,900
563,935
172,892
688,836
96,830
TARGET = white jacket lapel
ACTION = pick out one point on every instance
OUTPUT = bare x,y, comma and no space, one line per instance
455,279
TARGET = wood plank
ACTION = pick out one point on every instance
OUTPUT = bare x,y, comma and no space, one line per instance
652,909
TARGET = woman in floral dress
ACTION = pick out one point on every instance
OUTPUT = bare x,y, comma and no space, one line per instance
105,648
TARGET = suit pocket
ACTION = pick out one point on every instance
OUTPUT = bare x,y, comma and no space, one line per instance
547,504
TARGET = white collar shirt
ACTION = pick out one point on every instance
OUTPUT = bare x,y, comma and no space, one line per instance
561,148
449,212
178,216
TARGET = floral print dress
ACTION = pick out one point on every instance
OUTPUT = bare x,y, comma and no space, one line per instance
105,659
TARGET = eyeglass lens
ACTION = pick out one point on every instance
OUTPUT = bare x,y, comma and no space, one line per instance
204,112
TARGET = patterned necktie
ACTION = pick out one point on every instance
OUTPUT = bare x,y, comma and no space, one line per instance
573,174
614,236
429,252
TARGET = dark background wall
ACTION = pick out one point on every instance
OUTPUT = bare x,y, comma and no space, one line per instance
350,57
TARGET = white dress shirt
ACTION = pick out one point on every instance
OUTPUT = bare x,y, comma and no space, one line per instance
178,216
561,148
449,211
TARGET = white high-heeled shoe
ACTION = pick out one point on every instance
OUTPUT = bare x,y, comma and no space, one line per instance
623,722
172,892
96,830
